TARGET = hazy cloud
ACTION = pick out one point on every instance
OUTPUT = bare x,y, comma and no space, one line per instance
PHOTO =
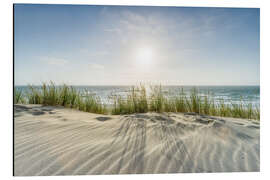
96,66
113,30
54,61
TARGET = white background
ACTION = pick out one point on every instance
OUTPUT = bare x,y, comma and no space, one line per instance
6,79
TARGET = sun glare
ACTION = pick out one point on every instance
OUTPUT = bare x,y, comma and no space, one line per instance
145,55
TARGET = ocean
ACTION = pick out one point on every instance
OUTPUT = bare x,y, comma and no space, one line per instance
230,94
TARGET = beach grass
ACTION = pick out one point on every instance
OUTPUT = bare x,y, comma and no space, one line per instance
135,101
18,97
66,96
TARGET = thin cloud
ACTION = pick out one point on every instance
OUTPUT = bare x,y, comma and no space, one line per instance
113,30
94,66
54,61
94,54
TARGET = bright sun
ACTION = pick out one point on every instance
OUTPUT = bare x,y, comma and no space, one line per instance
145,55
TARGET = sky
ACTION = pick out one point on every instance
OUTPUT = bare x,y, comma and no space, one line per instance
126,45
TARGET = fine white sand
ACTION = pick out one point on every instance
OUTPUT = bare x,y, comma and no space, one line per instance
60,141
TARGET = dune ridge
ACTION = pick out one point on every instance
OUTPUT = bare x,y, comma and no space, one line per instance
60,141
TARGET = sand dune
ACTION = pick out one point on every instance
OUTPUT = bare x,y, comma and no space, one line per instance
61,141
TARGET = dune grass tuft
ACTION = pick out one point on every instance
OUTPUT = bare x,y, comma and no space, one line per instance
67,96
134,102
137,100
18,97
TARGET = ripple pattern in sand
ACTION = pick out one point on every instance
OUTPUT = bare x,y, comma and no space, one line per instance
130,144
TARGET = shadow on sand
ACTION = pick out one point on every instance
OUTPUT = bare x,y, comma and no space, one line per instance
36,111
